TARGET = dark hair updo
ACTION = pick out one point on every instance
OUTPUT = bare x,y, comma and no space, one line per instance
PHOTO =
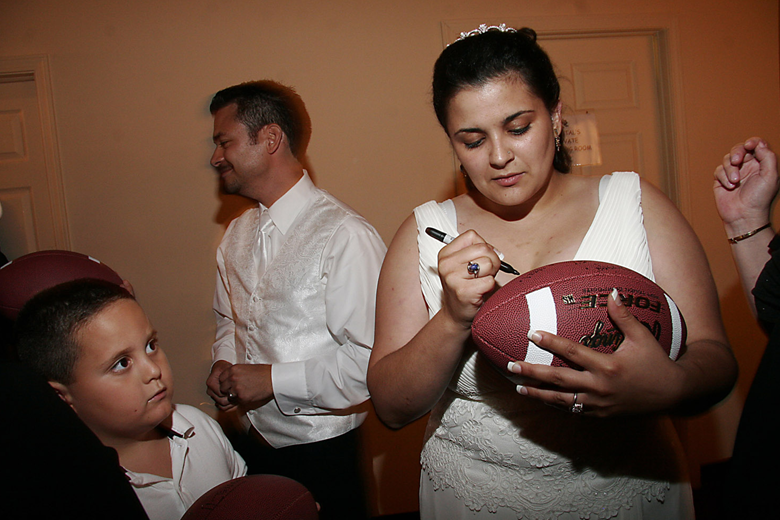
475,60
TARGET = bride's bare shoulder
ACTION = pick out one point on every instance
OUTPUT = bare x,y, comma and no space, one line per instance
582,181
584,188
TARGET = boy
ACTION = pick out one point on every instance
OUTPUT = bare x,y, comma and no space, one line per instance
98,350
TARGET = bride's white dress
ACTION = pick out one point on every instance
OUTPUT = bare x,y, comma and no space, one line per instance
490,452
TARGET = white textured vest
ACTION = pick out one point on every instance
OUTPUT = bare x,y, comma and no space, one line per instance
280,318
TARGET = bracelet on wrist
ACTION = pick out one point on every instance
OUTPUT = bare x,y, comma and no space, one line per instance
739,238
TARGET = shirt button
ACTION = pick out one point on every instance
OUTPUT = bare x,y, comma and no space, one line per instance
297,410
255,298
251,328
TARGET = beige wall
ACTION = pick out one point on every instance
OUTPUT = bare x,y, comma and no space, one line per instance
131,82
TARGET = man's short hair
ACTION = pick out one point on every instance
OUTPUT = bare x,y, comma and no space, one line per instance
48,325
264,102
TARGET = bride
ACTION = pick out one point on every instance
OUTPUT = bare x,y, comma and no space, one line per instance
564,443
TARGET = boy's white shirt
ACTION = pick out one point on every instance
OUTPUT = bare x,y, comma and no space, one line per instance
201,458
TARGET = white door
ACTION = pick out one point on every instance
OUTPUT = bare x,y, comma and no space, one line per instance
33,215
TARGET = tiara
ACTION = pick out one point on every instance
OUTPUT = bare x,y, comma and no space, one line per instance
483,28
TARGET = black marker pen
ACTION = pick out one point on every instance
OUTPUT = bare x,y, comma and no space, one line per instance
441,236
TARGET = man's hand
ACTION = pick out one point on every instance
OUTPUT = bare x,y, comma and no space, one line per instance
247,386
213,387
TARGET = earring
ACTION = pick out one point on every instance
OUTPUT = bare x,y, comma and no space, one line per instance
556,133
463,171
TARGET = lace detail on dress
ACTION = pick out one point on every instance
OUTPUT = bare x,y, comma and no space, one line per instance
535,482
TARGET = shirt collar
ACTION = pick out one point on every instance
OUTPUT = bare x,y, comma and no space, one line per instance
180,426
286,209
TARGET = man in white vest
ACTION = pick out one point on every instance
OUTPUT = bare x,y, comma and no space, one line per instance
294,302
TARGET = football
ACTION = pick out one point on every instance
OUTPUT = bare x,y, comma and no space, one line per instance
570,299
255,497
23,278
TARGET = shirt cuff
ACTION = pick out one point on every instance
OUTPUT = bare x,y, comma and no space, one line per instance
290,392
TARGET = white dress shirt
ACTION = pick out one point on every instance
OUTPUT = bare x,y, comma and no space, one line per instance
349,268
201,458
